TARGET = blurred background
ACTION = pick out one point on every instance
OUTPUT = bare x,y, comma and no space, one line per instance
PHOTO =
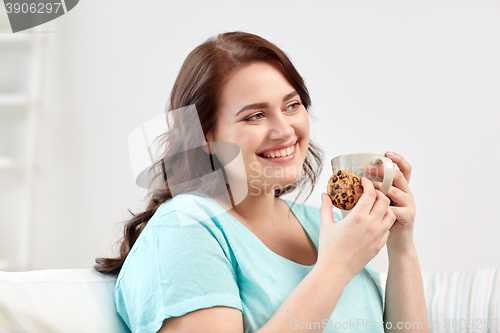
421,78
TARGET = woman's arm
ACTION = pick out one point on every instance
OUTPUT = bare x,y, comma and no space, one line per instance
405,308
404,295
313,300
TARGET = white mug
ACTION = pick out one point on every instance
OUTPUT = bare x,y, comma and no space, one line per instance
357,162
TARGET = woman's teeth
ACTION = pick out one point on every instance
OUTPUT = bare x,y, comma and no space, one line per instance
279,153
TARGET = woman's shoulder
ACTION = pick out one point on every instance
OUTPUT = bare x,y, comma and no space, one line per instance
184,220
194,206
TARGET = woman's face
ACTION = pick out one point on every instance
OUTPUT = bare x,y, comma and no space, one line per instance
263,114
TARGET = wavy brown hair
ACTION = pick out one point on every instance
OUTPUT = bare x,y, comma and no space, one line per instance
199,83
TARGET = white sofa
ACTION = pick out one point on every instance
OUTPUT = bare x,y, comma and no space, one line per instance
82,300
462,301
58,301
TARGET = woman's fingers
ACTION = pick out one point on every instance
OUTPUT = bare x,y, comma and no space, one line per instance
404,215
399,180
376,170
365,203
380,207
397,196
389,219
325,211
403,165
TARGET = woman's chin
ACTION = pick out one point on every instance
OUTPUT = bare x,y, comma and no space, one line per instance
269,186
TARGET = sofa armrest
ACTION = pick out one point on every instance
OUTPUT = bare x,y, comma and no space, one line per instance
59,300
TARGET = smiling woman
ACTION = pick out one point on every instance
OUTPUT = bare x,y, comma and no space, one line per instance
273,132
188,263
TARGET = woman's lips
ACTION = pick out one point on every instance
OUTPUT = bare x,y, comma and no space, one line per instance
283,159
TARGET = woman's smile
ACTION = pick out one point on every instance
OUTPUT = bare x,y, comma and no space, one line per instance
283,155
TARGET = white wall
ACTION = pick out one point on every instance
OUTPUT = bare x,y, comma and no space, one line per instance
420,78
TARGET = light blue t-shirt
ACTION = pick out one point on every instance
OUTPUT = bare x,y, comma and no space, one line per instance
192,254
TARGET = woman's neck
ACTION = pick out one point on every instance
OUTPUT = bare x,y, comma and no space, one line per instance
262,212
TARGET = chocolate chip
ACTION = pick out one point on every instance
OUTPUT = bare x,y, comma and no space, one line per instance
344,195
336,186
359,189
334,179
343,206
339,172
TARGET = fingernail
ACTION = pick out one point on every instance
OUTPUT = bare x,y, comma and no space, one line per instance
322,198
389,154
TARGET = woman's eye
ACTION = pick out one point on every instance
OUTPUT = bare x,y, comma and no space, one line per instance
254,117
260,115
293,106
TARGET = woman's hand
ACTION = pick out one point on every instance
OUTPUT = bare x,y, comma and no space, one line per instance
354,241
402,202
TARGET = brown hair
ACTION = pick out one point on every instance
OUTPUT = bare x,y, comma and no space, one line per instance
200,83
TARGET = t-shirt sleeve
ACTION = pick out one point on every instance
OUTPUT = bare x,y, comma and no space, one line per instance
174,269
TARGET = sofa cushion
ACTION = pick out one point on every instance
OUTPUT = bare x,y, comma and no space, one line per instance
461,300
58,300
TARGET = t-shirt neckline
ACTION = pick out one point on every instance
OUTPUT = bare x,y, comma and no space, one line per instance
244,227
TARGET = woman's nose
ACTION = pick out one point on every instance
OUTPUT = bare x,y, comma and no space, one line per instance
281,128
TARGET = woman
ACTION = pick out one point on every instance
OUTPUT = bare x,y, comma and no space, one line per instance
192,262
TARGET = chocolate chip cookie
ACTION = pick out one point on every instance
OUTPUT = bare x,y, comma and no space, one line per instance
344,188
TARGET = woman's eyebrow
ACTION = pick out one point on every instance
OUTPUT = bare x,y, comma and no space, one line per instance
265,105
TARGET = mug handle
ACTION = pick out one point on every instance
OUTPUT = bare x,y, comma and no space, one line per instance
388,172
